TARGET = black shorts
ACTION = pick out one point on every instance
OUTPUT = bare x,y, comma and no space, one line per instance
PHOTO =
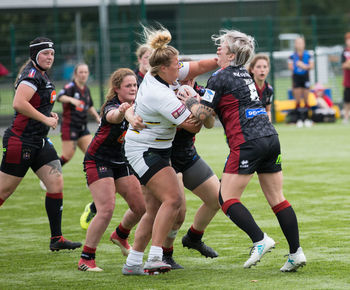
301,81
98,169
182,160
73,133
347,95
19,156
262,155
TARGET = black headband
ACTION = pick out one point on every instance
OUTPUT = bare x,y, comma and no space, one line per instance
36,48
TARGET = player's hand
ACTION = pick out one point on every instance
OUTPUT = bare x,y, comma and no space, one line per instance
123,107
54,115
137,123
51,122
193,120
184,95
301,64
75,102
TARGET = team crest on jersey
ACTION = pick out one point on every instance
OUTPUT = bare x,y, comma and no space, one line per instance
208,95
53,97
32,73
179,111
26,154
181,64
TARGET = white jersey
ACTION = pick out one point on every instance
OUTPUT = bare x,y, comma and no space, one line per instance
161,111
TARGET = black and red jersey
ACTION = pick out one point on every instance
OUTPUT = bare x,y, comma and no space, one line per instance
27,129
109,138
231,92
344,57
139,76
265,94
72,115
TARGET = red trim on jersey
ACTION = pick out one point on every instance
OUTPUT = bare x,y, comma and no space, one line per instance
67,114
346,72
14,150
281,206
21,121
100,137
58,195
141,74
229,114
89,250
228,203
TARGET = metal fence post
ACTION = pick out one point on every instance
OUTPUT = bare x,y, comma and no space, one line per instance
101,66
13,51
314,43
272,63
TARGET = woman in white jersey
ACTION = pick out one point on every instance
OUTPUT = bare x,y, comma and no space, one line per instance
148,152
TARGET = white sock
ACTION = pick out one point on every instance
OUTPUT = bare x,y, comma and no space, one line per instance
134,258
155,252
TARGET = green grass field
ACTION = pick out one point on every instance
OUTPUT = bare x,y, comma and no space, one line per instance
316,169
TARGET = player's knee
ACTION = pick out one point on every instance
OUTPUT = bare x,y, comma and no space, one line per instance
138,208
106,212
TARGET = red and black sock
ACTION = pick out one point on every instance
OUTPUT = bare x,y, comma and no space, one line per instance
122,232
1,201
241,216
168,252
195,234
288,223
63,160
53,205
88,253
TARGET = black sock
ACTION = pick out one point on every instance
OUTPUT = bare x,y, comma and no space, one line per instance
241,216
93,207
168,252
63,160
194,234
53,205
122,232
288,223
88,253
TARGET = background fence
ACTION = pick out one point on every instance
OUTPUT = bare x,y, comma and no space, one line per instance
110,44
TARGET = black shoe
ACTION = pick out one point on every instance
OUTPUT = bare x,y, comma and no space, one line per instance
170,261
199,246
63,244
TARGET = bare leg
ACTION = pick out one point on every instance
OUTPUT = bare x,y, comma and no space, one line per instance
8,184
84,142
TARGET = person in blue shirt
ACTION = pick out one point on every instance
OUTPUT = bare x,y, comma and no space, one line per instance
300,63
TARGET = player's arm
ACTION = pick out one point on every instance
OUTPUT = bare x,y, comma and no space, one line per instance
200,111
117,115
200,67
92,111
191,124
290,64
21,104
69,100
209,122
268,111
135,120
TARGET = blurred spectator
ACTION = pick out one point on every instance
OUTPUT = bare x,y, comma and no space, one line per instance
346,80
324,111
300,63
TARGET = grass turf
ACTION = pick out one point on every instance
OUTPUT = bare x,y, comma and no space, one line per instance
316,170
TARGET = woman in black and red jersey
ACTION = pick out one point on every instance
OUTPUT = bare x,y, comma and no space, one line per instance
259,69
77,102
254,147
107,172
25,142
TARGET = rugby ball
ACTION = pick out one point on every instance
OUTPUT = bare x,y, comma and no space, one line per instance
181,91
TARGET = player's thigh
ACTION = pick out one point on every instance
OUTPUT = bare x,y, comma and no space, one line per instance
68,148
103,193
51,175
164,186
208,191
8,184
271,185
233,185
84,141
